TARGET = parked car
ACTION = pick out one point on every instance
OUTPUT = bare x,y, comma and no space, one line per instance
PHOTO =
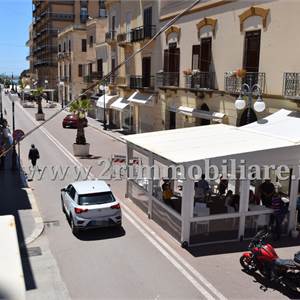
71,121
90,204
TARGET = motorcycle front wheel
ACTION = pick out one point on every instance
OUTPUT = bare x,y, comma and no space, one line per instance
248,264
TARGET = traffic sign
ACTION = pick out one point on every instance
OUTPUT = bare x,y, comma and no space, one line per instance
18,134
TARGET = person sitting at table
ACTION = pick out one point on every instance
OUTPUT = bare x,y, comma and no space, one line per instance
267,189
167,193
223,185
229,202
202,189
253,199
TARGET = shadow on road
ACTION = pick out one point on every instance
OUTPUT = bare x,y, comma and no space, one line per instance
266,284
13,200
101,234
235,247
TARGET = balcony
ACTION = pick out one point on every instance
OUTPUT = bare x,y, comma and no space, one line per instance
110,37
141,82
143,32
65,78
92,77
45,62
164,79
61,17
124,39
63,55
291,84
200,80
233,83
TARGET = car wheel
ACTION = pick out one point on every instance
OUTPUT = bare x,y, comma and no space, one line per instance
73,227
64,126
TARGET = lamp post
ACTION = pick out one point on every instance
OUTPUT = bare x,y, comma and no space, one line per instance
1,106
60,87
249,91
103,88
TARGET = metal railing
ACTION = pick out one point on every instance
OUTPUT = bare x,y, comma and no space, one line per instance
110,36
233,83
291,84
167,79
200,80
142,33
139,82
123,38
62,55
65,78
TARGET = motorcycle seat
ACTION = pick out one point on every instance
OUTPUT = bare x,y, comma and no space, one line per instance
285,262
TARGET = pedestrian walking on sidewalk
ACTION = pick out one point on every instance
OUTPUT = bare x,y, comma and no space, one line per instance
33,155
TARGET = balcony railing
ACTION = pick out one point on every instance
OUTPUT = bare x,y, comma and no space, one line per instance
291,84
62,55
167,79
143,32
200,80
110,36
233,83
65,78
124,38
140,82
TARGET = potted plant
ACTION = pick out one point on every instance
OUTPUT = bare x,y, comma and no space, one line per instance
37,95
241,73
80,108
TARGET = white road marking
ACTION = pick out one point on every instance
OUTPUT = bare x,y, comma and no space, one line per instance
159,243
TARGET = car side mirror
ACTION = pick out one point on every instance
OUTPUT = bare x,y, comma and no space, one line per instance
63,190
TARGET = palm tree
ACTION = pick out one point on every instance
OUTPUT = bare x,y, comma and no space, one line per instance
80,108
37,94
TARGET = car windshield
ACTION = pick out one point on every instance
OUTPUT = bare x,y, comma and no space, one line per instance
97,198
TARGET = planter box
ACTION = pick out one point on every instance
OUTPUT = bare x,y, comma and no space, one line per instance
40,117
81,150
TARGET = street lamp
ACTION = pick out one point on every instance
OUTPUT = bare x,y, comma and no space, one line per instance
104,89
250,90
14,153
60,87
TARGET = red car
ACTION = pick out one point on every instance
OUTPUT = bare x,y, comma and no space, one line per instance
71,121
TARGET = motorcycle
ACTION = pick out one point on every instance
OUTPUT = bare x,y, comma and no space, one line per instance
262,257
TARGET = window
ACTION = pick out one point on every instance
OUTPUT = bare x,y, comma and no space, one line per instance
65,70
252,51
69,45
79,70
196,57
60,71
90,68
64,46
102,10
91,42
83,45
99,198
71,191
100,67
148,22
59,48
205,58
70,71
83,11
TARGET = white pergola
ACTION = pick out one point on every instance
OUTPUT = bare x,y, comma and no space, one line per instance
273,140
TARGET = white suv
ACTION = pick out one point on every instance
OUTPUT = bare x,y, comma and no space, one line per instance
90,204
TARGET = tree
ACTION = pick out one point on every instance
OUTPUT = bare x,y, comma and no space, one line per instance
80,108
37,94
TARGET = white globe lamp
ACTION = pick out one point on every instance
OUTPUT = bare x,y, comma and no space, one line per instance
240,103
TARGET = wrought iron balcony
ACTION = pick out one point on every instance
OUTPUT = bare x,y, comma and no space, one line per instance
143,32
140,82
164,79
291,84
63,55
233,83
110,36
124,38
88,79
200,80
65,78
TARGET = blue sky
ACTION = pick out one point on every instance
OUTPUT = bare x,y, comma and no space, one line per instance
15,18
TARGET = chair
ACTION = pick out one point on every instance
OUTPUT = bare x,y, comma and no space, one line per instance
203,226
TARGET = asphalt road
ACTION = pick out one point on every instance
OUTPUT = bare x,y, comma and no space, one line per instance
141,261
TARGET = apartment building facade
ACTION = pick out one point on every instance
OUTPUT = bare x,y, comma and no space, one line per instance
49,18
131,24
202,52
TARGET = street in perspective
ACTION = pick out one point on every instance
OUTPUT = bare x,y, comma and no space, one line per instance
149,149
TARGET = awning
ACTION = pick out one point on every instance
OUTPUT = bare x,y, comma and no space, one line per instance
108,100
120,104
140,98
203,114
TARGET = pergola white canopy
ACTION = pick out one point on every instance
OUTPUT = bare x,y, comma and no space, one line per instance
275,139
108,100
120,104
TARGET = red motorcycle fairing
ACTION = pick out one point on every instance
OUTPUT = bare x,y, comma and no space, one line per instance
247,254
265,253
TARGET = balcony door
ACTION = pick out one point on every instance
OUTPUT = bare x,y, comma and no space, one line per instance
100,68
146,71
172,65
113,75
251,56
205,56
147,22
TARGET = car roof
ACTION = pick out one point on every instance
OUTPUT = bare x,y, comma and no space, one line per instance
91,187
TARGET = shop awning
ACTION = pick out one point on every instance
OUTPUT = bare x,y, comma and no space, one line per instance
120,104
108,100
141,98
197,113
